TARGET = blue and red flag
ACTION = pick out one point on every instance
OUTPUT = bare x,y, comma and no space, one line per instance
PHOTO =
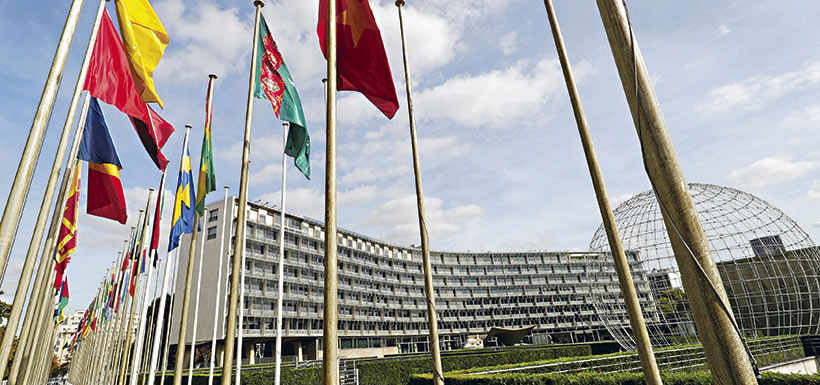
105,194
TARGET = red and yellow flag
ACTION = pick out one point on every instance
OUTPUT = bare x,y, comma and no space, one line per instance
68,228
361,61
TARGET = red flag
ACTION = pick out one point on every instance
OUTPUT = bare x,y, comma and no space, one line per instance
109,79
109,200
68,227
361,61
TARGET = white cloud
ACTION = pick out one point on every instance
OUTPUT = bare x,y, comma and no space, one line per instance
756,91
496,97
197,47
509,43
771,170
400,217
723,30
808,117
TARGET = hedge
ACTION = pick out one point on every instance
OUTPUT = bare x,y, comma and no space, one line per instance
591,378
307,376
397,372
788,348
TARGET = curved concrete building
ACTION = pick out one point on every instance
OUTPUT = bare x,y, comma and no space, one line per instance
381,298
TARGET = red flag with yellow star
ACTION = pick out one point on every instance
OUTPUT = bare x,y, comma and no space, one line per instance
361,61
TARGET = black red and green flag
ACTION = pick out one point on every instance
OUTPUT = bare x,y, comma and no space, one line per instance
273,82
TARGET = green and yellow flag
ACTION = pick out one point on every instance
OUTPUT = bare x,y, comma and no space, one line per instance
145,40
207,178
273,82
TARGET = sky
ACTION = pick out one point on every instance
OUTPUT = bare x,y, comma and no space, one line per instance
502,165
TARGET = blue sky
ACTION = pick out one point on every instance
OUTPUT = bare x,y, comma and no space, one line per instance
738,82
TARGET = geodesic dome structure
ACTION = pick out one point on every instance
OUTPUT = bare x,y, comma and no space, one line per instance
769,266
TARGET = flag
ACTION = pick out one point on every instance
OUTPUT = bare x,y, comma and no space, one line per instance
62,302
157,215
136,255
361,61
105,194
68,228
109,79
207,177
183,219
145,41
273,82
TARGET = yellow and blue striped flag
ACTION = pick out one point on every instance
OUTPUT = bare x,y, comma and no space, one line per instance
184,203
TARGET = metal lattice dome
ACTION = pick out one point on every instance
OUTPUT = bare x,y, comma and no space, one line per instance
769,266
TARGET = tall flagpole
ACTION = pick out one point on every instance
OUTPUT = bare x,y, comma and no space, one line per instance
117,327
432,322
28,160
45,206
152,326
241,220
633,306
110,328
726,353
137,356
227,217
168,322
330,361
196,301
281,290
189,277
126,353
241,328
154,258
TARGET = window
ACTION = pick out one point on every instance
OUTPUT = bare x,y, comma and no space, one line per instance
211,232
213,215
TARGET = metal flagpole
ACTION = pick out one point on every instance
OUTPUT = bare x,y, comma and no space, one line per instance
137,356
45,206
32,353
196,301
28,160
726,353
152,324
227,217
137,252
330,361
186,298
167,325
110,324
633,306
432,322
281,290
239,247
241,313
116,332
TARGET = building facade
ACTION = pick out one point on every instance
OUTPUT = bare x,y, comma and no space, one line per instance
65,333
381,299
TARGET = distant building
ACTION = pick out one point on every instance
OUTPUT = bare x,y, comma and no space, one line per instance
382,308
65,332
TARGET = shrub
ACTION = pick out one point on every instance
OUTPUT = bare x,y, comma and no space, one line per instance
397,372
590,378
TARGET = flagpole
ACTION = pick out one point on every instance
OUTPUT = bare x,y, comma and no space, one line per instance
137,356
196,301
189,277
438,378
153,325
167,324
28,160
633,306
37,342
137,255
281,289
241,220
110,323
330,361
118,329
726,353
115,332
45,206
226,217
126,303
241,314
